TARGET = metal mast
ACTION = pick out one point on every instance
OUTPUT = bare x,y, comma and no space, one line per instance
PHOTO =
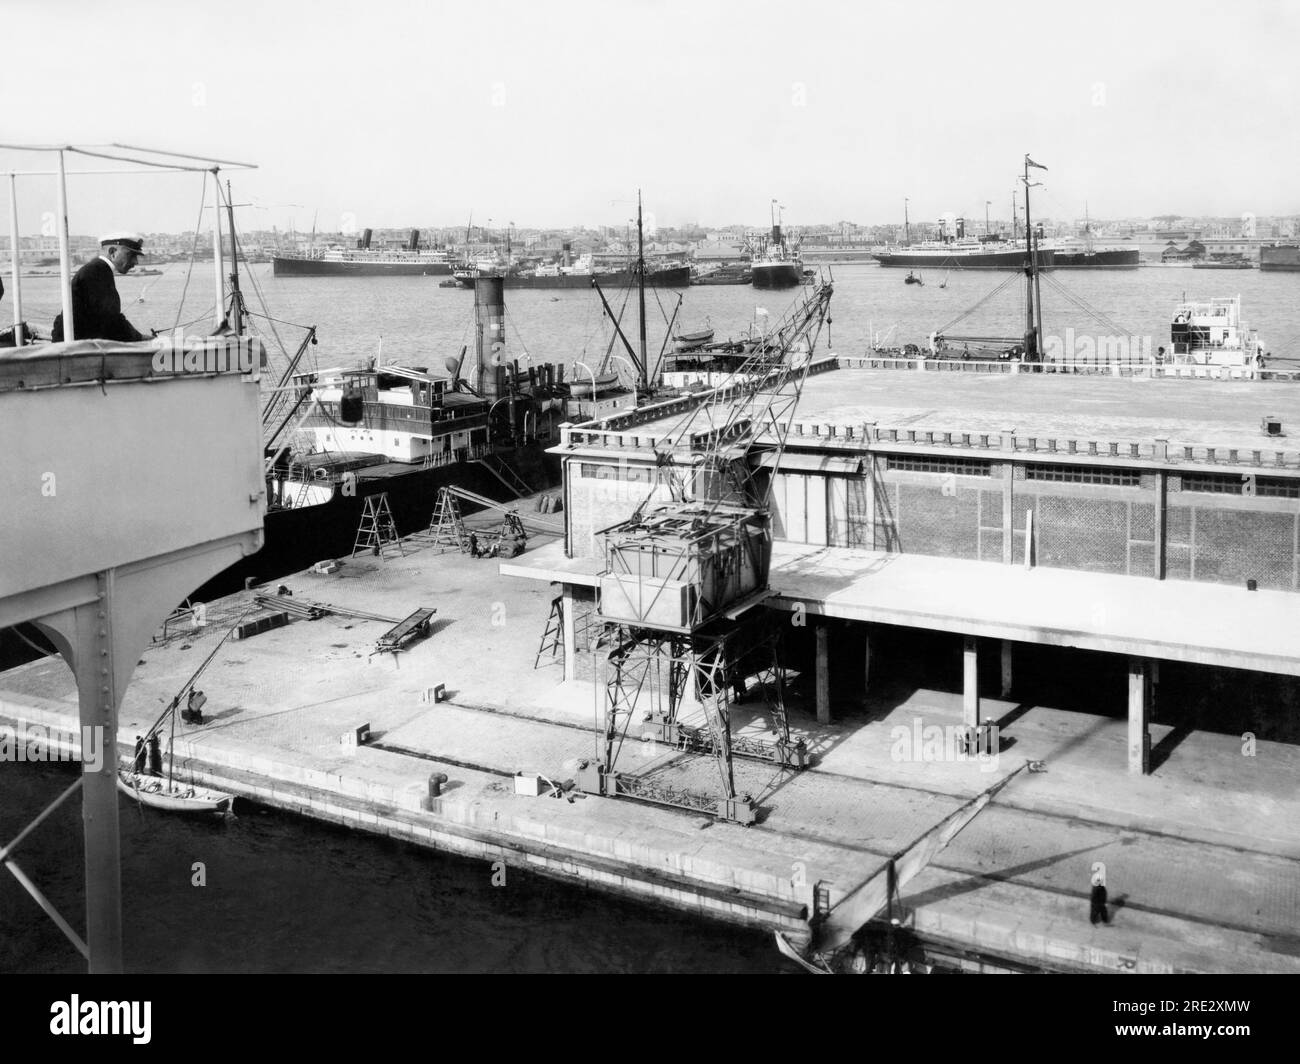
642,382
1034,324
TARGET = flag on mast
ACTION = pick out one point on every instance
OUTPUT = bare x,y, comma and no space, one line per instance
1030,162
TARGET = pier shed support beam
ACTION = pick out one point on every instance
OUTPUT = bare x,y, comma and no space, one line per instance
866,666
1139,709
1006,667
823,674
568,632
970,690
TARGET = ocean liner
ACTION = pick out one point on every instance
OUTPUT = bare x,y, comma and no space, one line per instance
365,261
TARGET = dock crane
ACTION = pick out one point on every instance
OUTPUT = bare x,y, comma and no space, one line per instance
682,583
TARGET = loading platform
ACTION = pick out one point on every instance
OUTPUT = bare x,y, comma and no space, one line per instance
1183,845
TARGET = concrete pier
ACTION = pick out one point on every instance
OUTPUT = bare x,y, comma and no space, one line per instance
1012,889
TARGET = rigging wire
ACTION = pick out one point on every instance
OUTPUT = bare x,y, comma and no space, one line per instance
1080,304
1011,279
194,249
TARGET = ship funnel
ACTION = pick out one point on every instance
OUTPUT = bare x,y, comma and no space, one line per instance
566,259
364,243
490,337
776,236
414,245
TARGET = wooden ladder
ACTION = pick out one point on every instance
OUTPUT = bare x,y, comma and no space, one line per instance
377,529
553,638
447,529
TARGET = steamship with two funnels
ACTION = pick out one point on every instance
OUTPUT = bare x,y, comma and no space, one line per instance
366,261
954,250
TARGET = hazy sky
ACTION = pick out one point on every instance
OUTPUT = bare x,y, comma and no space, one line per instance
552,113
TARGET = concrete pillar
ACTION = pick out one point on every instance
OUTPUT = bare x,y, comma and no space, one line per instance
970,693
1139,737
823,674
1162,535
569,633
1006,667
866,665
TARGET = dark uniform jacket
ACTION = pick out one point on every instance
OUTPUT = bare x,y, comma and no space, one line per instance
96,307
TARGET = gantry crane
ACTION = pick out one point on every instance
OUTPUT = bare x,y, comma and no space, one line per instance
682,583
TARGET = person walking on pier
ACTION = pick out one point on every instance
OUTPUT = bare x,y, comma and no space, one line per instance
96,306
1099,913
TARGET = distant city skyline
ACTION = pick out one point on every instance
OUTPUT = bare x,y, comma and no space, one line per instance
552,115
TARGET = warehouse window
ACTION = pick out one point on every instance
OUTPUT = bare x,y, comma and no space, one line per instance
965,467
1242,484
1077,474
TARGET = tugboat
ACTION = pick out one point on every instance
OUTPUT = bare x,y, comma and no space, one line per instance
912,278
1209,340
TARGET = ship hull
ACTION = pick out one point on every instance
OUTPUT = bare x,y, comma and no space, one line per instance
285,267
1280,259
1048,259
297,538
675,277
777,274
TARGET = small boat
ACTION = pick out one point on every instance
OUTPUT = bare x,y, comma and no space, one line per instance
790,953
836,931
173,795
581,388
687,341
912,278
944,282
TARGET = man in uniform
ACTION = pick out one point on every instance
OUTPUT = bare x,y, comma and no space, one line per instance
96,307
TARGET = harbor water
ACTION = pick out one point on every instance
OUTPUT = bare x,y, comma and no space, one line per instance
412,321
284,894
289,895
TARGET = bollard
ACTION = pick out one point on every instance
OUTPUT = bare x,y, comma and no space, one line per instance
436,782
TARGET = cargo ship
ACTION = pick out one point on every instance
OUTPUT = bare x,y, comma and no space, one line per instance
776,265
365,261
344,435
1281,257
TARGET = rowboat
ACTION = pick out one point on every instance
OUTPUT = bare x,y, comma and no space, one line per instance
790,953
852,912
173,795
